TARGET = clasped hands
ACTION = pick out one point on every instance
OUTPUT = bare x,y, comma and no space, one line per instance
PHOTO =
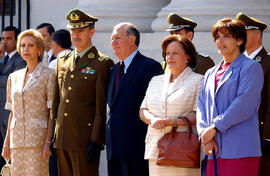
160,123
208,142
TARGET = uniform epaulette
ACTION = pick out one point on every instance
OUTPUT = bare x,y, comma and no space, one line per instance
102,57
62,55
203,54
67,54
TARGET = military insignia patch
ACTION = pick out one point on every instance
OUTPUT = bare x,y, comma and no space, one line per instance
74,16
88,70
91,56
101,58
258,59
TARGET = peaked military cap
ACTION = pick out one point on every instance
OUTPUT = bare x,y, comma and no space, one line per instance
78,19
251,23
176,22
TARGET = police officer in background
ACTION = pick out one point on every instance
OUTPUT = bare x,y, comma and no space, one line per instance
255,50
185,27
78,111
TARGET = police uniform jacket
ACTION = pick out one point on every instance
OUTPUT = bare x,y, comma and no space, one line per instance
203,64
78,111
264,111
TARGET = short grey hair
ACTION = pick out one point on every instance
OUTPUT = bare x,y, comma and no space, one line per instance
131,30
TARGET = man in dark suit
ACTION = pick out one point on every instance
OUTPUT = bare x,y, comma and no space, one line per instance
125,133
47,30
255,50
78,112
185,27
9,63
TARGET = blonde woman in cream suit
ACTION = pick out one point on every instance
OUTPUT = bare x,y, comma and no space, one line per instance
29,98
168,97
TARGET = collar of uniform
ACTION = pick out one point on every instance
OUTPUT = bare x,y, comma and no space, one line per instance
128,60
83,52
254,53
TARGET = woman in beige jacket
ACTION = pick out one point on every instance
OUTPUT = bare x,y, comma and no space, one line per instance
29,98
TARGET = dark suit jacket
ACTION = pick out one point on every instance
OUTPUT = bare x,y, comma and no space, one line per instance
78,111
125,132
13,64
264,111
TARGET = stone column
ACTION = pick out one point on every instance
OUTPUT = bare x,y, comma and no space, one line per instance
207,12
110,12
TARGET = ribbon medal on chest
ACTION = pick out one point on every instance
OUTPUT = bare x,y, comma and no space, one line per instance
88,70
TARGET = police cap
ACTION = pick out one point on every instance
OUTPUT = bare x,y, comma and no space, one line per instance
251,23
176,22
78,19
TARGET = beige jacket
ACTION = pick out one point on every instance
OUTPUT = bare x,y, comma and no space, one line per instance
30,106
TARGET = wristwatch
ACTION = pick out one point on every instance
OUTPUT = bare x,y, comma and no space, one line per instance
215,128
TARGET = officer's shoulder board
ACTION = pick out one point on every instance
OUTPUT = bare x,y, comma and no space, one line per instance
203,54
67,54
102,57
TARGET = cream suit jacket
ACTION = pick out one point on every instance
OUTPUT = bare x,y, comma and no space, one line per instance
165,102
30,106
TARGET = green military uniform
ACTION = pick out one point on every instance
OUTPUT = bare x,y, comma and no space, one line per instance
263,57
177,23
203,63
78,113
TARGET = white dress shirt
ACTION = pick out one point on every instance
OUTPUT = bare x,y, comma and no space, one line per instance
53,63
254,53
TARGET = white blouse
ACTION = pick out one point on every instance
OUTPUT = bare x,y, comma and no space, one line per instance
170,101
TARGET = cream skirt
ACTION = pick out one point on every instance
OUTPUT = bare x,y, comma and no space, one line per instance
28,162
155,170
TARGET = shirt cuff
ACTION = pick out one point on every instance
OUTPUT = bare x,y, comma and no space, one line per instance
8,106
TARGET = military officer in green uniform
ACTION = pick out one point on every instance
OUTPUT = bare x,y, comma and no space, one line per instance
78,113
256,51
185,27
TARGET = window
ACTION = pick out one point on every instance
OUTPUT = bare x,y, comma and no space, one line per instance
7,6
